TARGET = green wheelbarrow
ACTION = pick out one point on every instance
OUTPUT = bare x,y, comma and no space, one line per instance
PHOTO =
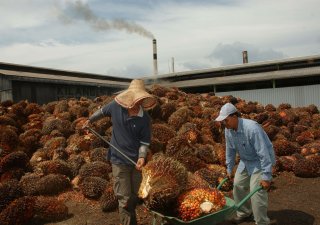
224,214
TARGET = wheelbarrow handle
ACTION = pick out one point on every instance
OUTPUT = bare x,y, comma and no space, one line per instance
102,138
248,197
222,183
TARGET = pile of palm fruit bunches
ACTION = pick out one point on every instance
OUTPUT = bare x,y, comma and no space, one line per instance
45,153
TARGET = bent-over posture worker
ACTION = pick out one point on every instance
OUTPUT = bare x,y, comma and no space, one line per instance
248,139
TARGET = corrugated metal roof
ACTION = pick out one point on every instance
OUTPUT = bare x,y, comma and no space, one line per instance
274,75
296,96
50,77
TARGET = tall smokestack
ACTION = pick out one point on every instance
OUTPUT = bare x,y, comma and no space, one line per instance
172,64
245,57
155,62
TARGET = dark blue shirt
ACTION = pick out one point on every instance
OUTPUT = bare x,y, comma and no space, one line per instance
128,133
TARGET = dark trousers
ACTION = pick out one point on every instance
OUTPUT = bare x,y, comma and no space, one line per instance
127,181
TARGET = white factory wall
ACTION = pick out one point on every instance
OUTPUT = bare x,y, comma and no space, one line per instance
296,96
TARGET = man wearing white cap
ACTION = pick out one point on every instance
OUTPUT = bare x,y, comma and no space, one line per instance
131,134
247,138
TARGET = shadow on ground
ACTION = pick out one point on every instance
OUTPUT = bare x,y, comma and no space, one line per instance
291,217
285,217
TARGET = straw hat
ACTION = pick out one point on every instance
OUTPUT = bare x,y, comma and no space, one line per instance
135,93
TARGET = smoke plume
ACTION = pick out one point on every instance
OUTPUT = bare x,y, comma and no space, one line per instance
78,10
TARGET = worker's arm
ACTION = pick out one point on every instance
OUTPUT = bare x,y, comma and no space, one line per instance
99,114
230,154
143,151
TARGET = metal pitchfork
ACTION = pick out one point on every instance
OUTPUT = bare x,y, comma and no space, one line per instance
118,150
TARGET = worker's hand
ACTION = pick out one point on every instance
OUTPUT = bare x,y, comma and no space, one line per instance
266,184
140,163
86,124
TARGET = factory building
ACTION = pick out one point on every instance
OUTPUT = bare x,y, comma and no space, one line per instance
42,85
295,81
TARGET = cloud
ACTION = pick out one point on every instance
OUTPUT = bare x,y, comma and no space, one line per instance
190,31
229,54
195,65
135,71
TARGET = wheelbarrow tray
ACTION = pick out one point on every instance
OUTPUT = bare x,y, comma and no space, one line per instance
223,214
213,218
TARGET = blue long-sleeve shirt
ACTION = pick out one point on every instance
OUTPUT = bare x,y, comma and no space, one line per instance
254,147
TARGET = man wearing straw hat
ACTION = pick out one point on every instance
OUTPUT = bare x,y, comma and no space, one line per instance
248,139
131,134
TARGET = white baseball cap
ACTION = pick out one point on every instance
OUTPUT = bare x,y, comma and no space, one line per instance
226,110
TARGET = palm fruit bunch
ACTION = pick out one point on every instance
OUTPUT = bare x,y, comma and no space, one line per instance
76,162
288,116
163,179
167,109
29,183
188,159
54,167
246,108
284,106
95,169
208,175
190,132
283,147
52,123
12,174
305,137
61,106
54,143
108,200
271,130
288,162
99,154
311,148
78,111
179,117
16,159
6,120
159,90
284,132
8,139
220,150
35,121
260,117
206,135
195,181
52,184
18,212
198,202
307,167
30,140
177,144
50,209
206,153
221,172
9,191
93,187
162,132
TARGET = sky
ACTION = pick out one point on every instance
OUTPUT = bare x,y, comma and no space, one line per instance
114,37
